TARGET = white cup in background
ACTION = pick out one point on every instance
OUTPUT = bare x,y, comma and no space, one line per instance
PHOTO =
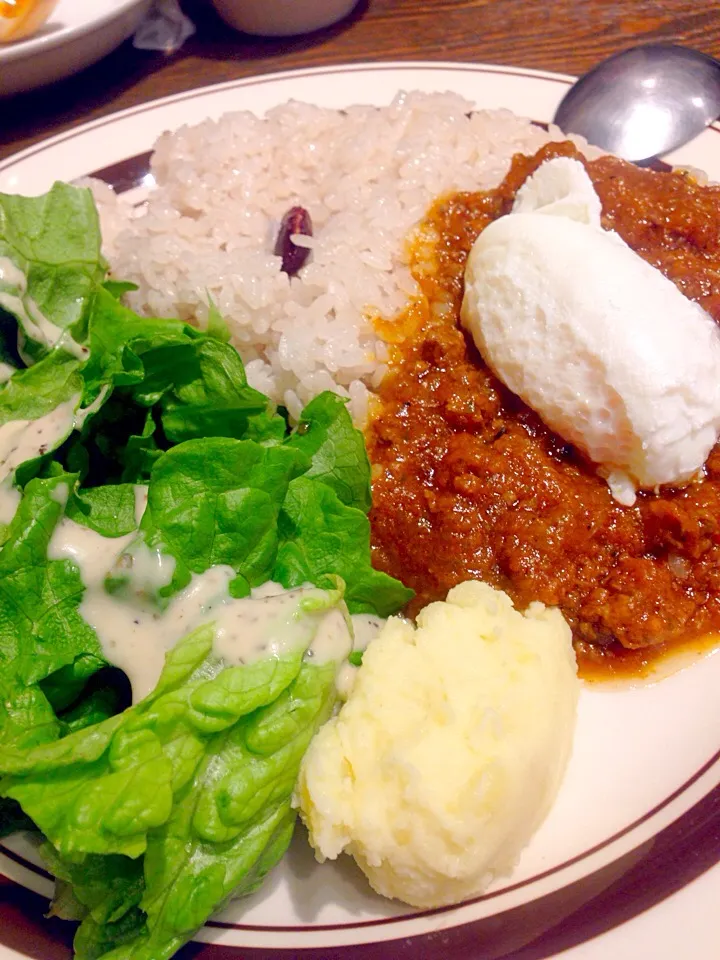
282,18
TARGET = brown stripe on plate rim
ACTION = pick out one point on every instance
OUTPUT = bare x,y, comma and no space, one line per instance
359,68
713,761
362,924
25,863
549,925
539,930
25,929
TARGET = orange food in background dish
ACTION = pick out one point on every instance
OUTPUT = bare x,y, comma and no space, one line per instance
468,482
19,19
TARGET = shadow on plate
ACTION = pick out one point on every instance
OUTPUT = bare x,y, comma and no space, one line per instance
80,96
311,886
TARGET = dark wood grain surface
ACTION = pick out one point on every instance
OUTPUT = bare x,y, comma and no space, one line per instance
564,35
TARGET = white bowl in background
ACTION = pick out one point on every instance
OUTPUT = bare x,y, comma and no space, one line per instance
78,33
282,18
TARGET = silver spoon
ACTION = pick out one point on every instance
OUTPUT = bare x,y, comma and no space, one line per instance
644,102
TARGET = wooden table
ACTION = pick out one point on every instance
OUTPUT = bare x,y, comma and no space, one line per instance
563,35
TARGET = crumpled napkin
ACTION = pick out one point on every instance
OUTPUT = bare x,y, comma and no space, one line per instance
165,28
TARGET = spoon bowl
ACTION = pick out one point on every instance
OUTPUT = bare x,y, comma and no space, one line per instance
644,102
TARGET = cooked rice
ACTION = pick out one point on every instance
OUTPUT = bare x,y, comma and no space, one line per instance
366,175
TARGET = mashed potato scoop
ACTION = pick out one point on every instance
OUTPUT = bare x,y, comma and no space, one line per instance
450,749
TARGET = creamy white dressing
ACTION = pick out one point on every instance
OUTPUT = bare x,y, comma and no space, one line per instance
6,371
12,276
24,355
40,329
135,634
333,640
261,626
83,413
44,331
10,498
147,569
93,554
366,626
345,680
136,638
36,324
22,440
60,494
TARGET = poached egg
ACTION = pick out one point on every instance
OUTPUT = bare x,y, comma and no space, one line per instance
598,342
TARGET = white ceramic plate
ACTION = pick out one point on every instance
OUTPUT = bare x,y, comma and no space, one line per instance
638,817
78,33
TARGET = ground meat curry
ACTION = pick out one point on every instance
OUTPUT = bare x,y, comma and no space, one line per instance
468,482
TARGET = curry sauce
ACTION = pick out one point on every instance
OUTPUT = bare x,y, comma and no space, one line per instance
469,483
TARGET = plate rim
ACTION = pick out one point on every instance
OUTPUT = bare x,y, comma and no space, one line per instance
272,77
395,66
40,44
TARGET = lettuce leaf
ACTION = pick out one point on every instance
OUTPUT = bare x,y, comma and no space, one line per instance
119,445
154,814
234,820
109,510
141,452
105,888
118,338
32,394
198,380
41,631
210,396
118,288
36,391
195,382
54,243
319,535
326,435
101,789
217,501
100,700
198,778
